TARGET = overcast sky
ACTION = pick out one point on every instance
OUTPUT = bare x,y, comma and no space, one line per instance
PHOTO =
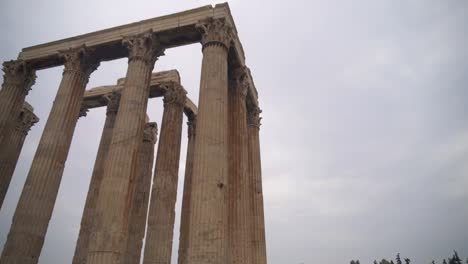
364,138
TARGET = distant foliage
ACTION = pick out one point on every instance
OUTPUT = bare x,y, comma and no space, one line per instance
455,259
398,259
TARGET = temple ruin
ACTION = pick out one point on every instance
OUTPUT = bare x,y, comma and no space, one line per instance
222,217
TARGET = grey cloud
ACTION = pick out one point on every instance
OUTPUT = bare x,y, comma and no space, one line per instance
364,138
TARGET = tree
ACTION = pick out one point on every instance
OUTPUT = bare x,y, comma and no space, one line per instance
398,259
451,260
456,258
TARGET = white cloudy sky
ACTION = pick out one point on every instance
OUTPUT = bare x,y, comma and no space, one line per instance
364,140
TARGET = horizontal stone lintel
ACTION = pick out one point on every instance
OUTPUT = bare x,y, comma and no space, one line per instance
94,97
173,30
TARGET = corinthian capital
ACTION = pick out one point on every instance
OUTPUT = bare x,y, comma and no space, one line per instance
18,73
113,101
83,111
253,115
215,32
192,125
240,81
80,61
174,94
150,132
26,119
144,47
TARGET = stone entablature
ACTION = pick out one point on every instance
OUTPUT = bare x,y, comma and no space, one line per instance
172,30
97,96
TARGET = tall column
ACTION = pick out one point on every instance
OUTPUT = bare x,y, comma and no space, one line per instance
32,215
89,211
139,209
207,235
238,182
159,236
13,146
107,242
258,244
187,193
18,79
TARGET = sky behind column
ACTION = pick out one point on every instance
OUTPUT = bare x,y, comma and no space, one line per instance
364,138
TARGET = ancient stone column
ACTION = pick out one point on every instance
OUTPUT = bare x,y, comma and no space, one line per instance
13,146
159,235
208,220
187,193
238,182
139,209
257,237
18,79
32,215
89,213
108,237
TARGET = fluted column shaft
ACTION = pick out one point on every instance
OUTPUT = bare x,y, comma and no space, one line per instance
255,175
159,238
89,211
139,209
238,182
108,237
18,79
34,209
25,120
187,193
208,219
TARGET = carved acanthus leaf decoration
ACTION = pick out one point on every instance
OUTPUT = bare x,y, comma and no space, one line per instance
174,94
253,116
150,132
19,73
192,126
113,101
83,111
215,31
26,120
144,47
240,82
80,61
